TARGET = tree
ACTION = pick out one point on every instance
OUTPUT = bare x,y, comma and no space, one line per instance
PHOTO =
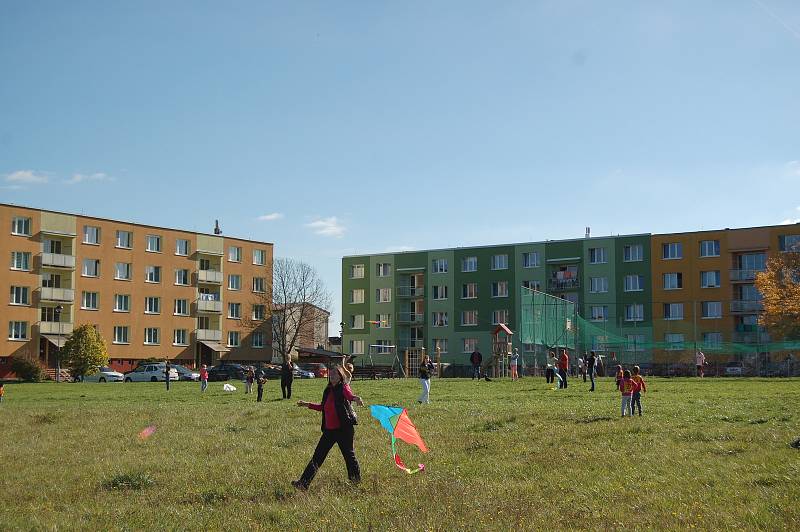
26,369
84,351
779,285
293,298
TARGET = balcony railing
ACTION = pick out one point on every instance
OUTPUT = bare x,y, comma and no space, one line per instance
746,306
56,294
410,317
744,275
209,306
410,291
208,335
209,276
54,327
563,284
56,260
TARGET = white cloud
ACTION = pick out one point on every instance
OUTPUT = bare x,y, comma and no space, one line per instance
270,217
793,169
27,177
81,178
328,227
790,221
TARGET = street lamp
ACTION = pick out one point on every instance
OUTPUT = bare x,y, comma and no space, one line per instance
58,311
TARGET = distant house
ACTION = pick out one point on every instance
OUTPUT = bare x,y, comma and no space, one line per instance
335,343
313,332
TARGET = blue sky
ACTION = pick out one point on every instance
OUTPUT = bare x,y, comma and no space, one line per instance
355,127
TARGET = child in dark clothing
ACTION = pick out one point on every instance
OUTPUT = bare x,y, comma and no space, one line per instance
261,381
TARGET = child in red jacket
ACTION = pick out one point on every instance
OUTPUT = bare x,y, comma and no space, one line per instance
636,398
626,386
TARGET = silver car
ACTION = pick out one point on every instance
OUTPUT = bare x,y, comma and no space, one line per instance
150,373
104,374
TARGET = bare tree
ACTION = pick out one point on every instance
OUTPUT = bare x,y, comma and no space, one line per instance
292,299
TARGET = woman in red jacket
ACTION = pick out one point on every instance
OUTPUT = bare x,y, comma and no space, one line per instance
338,427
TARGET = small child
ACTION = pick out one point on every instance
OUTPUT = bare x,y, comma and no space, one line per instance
626,386
620,375
261,381
637,392
349,375
2,392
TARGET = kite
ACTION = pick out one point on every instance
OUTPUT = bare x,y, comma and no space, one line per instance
395,420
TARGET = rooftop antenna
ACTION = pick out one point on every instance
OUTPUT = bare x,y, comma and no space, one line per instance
588,231
217,230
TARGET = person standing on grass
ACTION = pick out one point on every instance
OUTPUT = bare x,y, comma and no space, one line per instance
287,376
167,367
636,398
203,378
260,388
620,374
425,370
514,362
2,392
626,386
476,358
563,367
249,379
338,427
552,365
700,361
591,360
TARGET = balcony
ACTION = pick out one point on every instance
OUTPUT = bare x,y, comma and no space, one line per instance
744,276
55,327
745,305
563,284
410,291
208,335
209,305
64,295
410,317
56,260
209,276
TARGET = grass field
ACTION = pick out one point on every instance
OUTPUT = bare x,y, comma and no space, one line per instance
707,454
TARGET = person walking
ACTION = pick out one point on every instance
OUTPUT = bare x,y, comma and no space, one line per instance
287,376
514,362
591,360
699,361
167,369
425,370
476,359
626,386
260,388
640,386
552,365
338,427
563,367
250,378
203,378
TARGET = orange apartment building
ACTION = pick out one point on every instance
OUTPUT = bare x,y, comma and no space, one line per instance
150,291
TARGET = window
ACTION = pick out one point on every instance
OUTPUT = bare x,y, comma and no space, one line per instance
752,261
89,301
599,342
258,285
152,336
21,226
440,292
233,338
383,269
469,291
179,337
49,314
91,268
383,295
712,309
469,264
153,243
500,316
152,274
440,319
357,347
234,282
51,280
356,271
674,341
635,342
121,334
182,277
152,305
500,289
203,322
709,279
235,310
257,340
52,246
712,340
439,266
124,239
384,321
599,313
634,283
499,262
234,254
259,312
673,250
259,257
357,295
469,317
123,271
470,345
789,243
530,259
709,248
598,285
122,303
91,235
19,295
357,321
673,311
439,345
533,285
633,253
182,247
597,256
181,307
673,281
634,312
20,260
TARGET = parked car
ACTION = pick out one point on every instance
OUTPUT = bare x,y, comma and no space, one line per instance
150,373
104,374
734,369
302,373
186,374
225,372
317,368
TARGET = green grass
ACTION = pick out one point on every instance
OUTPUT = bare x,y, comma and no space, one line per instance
707,454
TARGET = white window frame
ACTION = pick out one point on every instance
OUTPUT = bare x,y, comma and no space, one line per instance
470,345
259,257
90,300
152,274
439,319
356,271
438,290
673,343
85,269
440,266
598,256
469,264
633,253
182,243
18,331
259,281
357,321
259,312
234,285
257,340
20,295
595,281
634,314
128,237
717,279
120,298
91,235
356,347
669,277
707,306
153,244
634,342
121,335
441,343
21,261
234,254
181,307
469,313
233,338
383,269
639,283
383,295
128,268
602,315
152,336
384,321
499,288
183,334
187,277
715,248
673,316
234,311
151,303
465,289
499,262
496,315
357,296
712,345
21,226
671,251
530,259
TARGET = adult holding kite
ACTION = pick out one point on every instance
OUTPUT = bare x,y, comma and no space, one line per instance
338,427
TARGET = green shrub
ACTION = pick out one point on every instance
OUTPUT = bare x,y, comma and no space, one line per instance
26,369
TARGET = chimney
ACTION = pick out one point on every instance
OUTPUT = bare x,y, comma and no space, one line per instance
217,230
588,232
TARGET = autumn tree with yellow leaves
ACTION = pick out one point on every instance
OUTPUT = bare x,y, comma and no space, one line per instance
779,285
